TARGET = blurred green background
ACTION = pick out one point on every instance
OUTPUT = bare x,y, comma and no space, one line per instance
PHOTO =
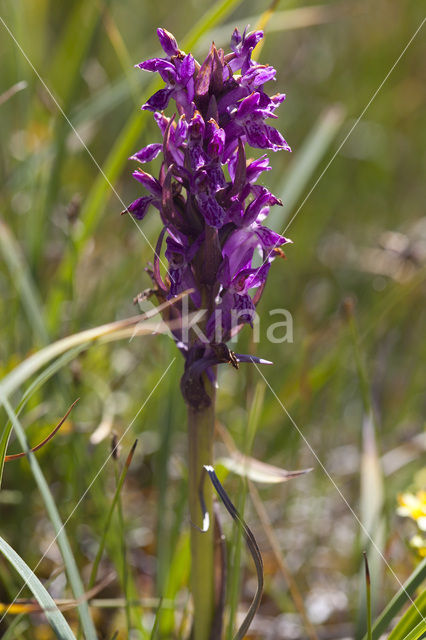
69,262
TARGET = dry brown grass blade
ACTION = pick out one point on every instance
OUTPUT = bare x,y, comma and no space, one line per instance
31,606
136,325
41,444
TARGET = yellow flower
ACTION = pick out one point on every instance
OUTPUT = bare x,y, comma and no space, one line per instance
419,544
413,506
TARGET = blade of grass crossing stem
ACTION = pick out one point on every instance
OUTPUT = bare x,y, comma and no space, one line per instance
53,615
22,280
251,544
119,486
411,618
305,161
62,540
124,146
235,561
399,600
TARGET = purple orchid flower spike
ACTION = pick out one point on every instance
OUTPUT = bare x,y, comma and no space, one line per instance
206,192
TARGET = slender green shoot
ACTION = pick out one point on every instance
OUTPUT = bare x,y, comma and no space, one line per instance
368,596
119,486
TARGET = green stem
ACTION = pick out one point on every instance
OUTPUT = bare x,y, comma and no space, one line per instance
200,434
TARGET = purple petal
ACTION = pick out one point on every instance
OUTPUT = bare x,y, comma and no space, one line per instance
168,42
186,69
278,98
202,82
196,155
148,153
236,212
148,182
257,134
215,175
213,213
248,105
256,167
139,207
258,277
235,39
251,39
243,309
257,76
162,122
197,126
165,68
269,238
276,139
216,142
239,249
158,101
263,198
181,131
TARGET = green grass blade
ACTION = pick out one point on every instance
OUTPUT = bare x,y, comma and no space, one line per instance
21,278
368,596
411,619
398,601
62,539
178,575
53,615
417,632
4,441
114,503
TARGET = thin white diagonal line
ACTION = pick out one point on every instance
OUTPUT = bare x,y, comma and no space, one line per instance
101,171
345,138
88,488
362,526
357,120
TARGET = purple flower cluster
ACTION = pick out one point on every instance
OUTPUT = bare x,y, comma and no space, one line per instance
211,206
